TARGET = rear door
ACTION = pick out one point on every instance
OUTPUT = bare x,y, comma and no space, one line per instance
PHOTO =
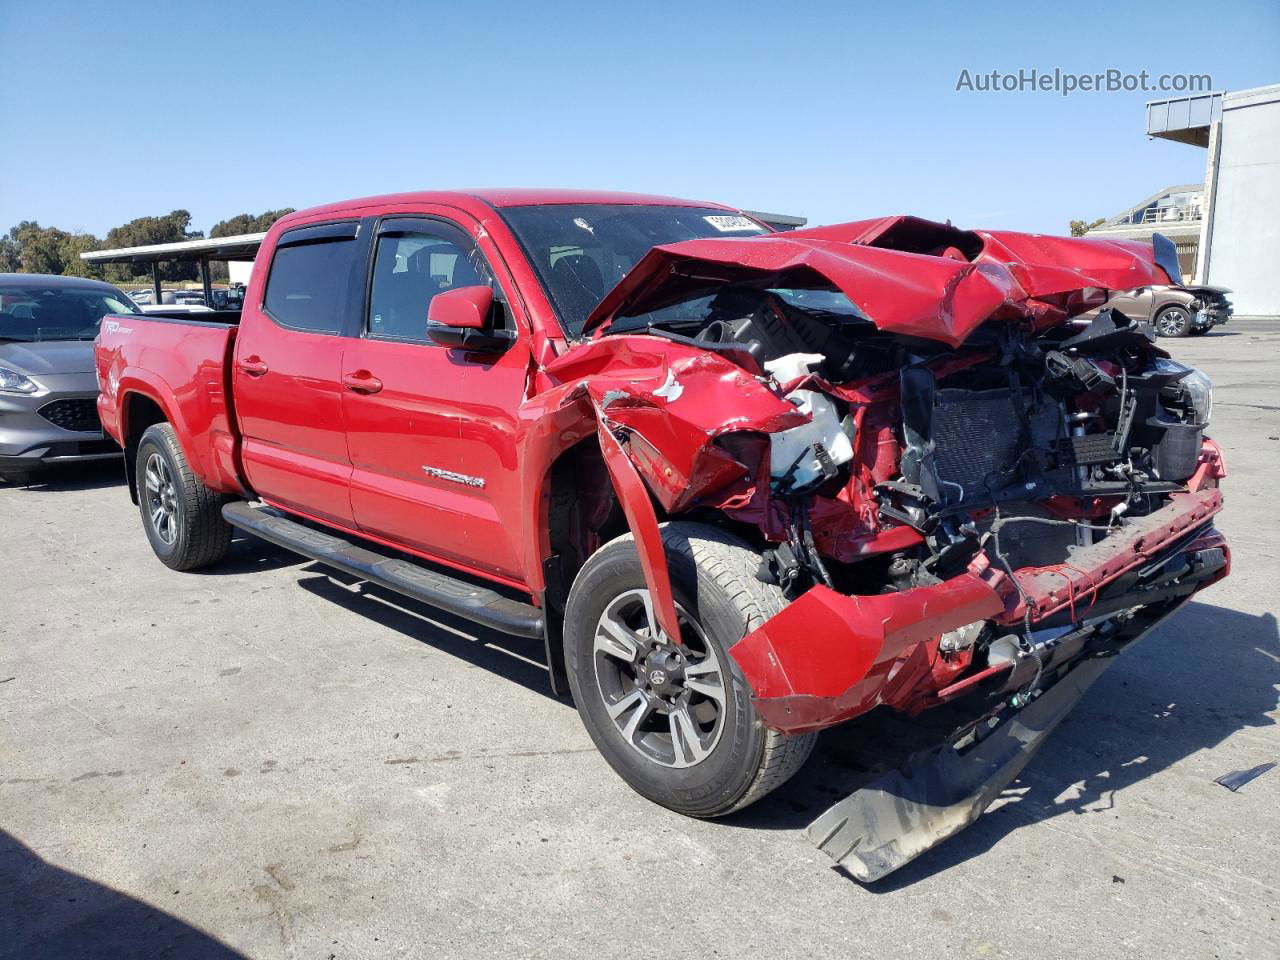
288,366
431,429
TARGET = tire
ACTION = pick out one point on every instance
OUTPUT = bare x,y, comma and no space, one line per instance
731,760
1173,321
182,517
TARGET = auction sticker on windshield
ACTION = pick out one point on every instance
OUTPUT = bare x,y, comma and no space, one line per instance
728,224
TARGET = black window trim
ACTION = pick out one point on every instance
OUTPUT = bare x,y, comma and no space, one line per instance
344,230
401,224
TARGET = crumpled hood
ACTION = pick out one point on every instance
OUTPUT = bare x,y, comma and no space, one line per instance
908,276
48,357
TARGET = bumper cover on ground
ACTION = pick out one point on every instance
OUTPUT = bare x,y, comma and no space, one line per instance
906,812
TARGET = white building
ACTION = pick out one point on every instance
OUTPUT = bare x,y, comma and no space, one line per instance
1239,244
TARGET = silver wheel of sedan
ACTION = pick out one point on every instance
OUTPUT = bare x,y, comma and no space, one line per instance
667,701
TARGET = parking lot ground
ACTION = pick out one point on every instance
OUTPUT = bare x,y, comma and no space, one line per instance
263,760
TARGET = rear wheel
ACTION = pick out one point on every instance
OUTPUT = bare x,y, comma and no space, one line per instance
1173,321
677,722
182,517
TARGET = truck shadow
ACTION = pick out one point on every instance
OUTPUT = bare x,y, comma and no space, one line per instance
1205,674
516,659
248,554
51,912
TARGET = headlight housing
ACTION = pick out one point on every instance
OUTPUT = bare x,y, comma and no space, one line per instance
11,381
1198,389
1194,390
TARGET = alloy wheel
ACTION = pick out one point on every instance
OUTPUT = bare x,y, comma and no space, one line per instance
162,499
667,701
1173,321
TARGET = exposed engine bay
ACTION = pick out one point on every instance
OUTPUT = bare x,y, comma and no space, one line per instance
1025,445
960,482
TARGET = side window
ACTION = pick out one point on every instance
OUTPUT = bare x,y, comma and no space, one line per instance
410,267
307,288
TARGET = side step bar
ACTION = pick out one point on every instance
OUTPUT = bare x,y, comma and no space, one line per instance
475,603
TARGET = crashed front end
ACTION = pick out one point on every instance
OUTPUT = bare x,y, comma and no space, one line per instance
966,493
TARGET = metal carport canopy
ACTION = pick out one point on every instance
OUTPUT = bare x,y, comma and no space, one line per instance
243,246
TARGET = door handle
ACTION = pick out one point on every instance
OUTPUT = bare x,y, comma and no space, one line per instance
253,366
362,381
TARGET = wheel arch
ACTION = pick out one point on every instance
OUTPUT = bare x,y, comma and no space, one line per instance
138,411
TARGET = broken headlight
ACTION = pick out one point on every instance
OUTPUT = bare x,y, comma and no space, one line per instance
1198,389
1194,390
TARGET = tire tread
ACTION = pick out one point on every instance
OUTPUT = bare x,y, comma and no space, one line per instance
731,563
208,536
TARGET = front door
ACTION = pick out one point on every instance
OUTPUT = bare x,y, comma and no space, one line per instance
430,429
288,367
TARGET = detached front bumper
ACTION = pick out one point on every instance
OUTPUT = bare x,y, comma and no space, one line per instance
828,657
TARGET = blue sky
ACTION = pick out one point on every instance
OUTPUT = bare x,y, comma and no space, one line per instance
832,111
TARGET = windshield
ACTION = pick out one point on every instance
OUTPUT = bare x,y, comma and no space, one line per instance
581,251
34,312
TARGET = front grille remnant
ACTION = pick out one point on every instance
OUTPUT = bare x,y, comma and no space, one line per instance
80,415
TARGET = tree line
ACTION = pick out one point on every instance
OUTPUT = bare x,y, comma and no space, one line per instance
31,248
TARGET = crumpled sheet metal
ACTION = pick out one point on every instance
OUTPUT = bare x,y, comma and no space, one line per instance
828,657
658,407
910,294
672,401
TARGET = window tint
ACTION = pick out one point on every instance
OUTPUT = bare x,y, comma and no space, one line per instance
307,287
409,269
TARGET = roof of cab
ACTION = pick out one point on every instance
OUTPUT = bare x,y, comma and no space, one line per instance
477,201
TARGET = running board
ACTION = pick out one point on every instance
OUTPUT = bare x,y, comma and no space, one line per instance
475,603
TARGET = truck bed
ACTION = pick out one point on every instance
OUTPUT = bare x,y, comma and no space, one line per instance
182,364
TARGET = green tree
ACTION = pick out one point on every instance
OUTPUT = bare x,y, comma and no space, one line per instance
10,254
239,224
248,223
144,231
75,244
1080,227
31,248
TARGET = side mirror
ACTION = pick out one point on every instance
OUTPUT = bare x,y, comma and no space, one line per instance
461,317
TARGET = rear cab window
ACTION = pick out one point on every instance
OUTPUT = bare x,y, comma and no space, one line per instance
309,284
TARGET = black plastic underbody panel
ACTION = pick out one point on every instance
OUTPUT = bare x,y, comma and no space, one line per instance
469,601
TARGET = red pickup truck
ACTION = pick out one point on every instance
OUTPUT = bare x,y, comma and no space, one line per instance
743,485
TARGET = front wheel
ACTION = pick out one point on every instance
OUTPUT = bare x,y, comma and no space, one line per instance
1173,322
182,517
676,722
